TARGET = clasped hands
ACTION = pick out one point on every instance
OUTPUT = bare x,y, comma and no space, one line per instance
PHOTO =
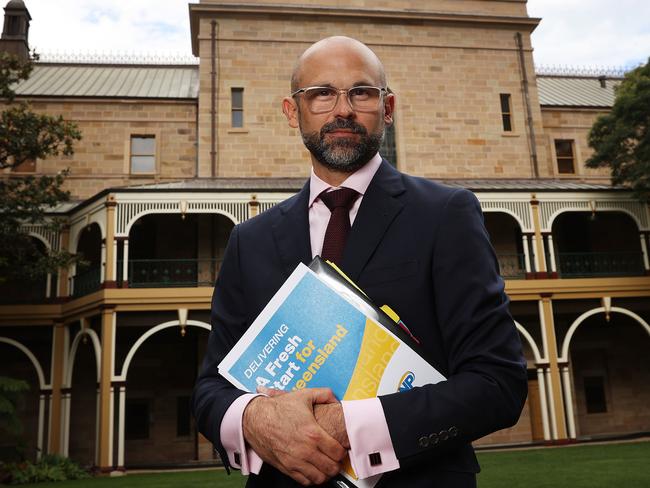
302,433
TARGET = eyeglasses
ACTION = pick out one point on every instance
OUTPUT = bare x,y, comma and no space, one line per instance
323,99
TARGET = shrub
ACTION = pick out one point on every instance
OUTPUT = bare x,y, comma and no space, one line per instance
49,468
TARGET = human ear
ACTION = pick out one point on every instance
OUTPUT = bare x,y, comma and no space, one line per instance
389,108
290,110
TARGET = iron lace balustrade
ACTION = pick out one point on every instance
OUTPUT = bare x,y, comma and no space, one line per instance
512,266
155,273
593,264
85,282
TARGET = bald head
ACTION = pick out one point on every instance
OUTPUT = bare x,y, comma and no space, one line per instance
334,48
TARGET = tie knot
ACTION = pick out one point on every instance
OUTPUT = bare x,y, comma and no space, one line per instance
343,197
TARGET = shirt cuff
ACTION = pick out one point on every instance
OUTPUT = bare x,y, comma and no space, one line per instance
239,454
371,448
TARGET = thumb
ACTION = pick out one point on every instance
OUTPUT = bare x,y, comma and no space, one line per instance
322,395
271,392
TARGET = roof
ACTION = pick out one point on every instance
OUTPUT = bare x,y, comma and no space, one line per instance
295,184
122,81
572,91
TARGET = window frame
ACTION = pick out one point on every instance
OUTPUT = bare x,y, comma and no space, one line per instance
236,109
129,159
506,115
562,158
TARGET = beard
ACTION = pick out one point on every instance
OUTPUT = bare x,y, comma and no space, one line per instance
343,154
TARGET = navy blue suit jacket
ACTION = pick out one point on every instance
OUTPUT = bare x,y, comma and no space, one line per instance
421,248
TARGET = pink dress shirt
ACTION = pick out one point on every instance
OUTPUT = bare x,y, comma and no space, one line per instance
364,419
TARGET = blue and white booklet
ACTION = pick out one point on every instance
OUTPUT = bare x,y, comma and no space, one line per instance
320,330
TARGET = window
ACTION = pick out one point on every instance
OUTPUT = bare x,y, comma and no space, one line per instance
387,148
143,154
506,113
137,419
237,107
183,416
595,394
564,155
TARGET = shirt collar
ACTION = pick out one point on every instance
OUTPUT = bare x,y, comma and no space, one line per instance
359,180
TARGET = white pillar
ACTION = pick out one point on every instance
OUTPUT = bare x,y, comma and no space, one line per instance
125,262
568,401
541,382
111,424
102,268
551,402
67,400
97,429
114,259
48,286
644,250
551,253
49,422
524,239
41,426
120,427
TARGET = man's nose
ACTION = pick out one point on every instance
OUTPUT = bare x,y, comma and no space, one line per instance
343,108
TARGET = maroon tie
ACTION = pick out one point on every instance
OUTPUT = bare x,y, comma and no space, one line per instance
339,202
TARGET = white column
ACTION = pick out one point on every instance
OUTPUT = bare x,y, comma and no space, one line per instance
49,422
551,403
102,268
97,429
568,401
111,424
644,250
125,263
551,253
114,259
541,382
48,286
67,400
120,426
41,426
524,239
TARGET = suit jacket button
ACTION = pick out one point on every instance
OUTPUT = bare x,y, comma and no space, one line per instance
423,441
444,435
433,439
453,432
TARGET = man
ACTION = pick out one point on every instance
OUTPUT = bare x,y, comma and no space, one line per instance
415,245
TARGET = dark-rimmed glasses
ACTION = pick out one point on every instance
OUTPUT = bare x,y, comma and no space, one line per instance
323,99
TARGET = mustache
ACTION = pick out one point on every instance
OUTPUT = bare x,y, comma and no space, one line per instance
343,124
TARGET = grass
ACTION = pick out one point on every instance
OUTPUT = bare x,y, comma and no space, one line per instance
586,466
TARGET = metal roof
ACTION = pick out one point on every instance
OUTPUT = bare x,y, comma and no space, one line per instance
124,81
288,184
572,91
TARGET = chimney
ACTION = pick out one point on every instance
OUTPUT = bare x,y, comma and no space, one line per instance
15,34
603,81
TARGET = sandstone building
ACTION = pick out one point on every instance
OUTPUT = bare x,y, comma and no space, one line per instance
174,154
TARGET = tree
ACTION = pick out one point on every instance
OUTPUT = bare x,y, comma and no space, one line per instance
26,136
621,139
11,428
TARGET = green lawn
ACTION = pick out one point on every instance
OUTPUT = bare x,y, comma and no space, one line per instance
590,466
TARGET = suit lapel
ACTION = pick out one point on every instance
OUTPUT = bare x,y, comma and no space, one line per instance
378,209
291,231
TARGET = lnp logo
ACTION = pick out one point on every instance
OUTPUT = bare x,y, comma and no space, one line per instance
406,383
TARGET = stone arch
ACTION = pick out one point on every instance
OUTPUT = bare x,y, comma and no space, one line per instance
564,356
73,352
531,342
557,213
164,211
32,358
141,340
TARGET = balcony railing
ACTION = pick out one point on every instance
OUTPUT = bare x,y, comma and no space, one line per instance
154,273
86,281
593,264
513,266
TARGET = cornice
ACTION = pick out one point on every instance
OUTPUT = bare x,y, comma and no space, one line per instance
379,15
